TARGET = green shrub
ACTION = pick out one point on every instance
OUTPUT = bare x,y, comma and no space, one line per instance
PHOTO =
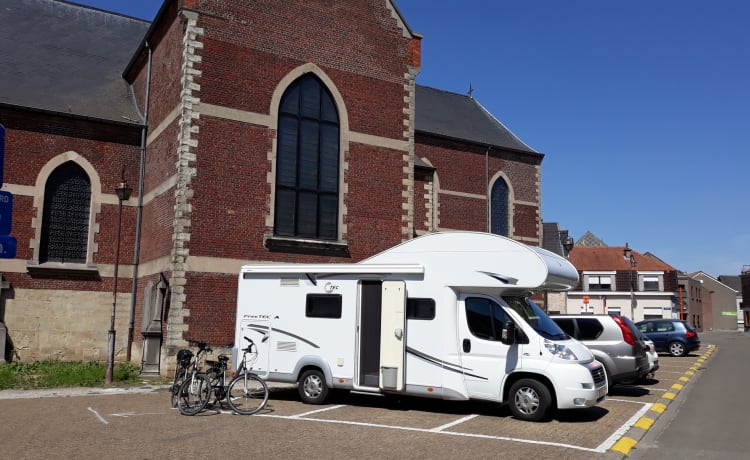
56,374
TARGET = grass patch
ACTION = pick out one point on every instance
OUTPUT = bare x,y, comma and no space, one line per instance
57,374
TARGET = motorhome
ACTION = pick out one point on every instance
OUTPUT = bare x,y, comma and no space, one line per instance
445,315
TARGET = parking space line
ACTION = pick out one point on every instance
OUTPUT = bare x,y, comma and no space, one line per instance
425,430
325,409
101,419
455,422
620,432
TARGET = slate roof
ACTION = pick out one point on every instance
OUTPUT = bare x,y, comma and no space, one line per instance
611,258
457,116
63,57
68,58
553,237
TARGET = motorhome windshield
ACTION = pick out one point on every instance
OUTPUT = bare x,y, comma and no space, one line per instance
536,318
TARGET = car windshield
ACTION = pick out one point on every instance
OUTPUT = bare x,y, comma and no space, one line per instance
536,318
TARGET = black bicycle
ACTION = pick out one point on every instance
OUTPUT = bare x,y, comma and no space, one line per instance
181,371
247,393
195,390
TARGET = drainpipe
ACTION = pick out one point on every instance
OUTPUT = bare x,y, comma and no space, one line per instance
487,186
139,214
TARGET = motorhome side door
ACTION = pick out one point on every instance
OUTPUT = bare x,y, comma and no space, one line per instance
258,329
392,335
484,358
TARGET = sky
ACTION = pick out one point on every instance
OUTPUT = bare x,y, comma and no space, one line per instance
641,108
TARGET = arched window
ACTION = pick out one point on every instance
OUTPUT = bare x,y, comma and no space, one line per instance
499,208
307,162
65,217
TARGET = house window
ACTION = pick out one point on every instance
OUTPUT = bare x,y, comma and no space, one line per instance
499,208
65,215
600,283
651,283
307,164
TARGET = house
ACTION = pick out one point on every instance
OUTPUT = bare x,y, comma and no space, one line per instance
723,302
246,132
618,279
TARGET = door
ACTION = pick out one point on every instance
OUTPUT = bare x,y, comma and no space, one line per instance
485,360
392,335
259,331
370,307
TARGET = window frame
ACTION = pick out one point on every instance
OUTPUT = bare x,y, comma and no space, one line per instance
292,219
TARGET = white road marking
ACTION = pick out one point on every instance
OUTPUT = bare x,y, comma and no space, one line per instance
454,423
304,414
620,432
425,430
99,416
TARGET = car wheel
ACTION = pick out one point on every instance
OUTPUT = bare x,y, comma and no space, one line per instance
530,400
677,349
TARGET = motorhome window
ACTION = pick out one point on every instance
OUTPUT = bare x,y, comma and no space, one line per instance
537,319
485,318
323,306
420,308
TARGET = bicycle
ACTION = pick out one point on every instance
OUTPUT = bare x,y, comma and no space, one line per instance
195,390
181,371
247,393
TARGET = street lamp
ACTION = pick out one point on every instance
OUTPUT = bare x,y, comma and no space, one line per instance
123,194
627,254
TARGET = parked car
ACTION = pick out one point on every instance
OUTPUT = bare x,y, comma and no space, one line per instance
653,357
613,340
673,336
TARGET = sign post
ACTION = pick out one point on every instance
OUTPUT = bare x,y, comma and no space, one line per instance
7,243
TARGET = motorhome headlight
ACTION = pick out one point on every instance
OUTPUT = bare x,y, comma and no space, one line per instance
560,351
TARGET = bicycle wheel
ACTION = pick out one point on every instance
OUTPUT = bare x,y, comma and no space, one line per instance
175,390
247,394
194,394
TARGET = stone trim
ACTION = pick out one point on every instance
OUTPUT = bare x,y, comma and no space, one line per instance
187,147
407,194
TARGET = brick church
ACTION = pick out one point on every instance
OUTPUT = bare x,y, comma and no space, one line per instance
256,131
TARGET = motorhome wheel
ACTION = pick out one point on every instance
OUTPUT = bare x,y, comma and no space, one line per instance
312,387
529,400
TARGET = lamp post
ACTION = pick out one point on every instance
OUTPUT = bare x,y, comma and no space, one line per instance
627,254
568,245
123,194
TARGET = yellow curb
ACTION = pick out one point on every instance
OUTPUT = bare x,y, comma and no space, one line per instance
677,387
669,395
684,379
659,407
624,445
644,423
694,368
689,373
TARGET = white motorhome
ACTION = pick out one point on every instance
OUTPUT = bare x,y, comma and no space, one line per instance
445,315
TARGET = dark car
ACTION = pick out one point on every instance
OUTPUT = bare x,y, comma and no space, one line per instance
673,336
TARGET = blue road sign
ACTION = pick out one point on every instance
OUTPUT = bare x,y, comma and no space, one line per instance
6,212
7,247
2,152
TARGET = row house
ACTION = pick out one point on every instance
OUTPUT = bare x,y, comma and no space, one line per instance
618,279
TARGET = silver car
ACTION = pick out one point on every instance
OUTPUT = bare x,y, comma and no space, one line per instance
613,340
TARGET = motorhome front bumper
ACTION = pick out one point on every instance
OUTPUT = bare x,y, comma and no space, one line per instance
581,385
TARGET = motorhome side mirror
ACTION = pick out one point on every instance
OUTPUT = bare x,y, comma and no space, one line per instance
508,335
